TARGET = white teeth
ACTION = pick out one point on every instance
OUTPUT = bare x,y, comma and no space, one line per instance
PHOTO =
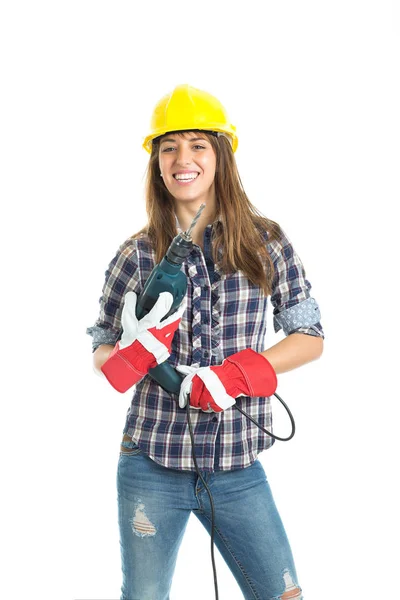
185,176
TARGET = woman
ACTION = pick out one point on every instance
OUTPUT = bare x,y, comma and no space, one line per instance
216,339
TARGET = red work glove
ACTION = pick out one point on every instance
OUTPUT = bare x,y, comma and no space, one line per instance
144,344
213,389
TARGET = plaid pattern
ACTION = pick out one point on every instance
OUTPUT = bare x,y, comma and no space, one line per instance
225,314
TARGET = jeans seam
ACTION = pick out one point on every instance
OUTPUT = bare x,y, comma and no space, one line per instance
237,561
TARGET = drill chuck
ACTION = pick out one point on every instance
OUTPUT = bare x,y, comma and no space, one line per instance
179,249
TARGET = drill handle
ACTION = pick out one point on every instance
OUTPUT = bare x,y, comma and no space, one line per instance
166,376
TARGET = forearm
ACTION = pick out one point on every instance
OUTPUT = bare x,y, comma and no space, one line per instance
294,351
100,356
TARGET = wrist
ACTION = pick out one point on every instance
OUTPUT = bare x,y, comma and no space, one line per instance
137,356
128,366
253,375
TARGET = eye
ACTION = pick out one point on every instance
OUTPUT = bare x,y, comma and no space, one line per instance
199,146
167,149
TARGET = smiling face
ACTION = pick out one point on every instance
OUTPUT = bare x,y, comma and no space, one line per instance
187,164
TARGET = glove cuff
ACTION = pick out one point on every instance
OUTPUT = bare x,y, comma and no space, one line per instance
258,373
119,370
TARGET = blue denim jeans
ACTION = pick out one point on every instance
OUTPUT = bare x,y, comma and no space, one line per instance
154,505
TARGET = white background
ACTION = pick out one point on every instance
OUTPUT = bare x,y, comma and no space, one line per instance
313,88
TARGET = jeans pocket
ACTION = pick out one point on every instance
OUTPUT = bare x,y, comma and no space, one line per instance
128,447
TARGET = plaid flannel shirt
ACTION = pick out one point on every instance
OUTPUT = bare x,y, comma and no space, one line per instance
225,313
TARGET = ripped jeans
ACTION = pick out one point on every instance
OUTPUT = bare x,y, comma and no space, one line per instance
154,505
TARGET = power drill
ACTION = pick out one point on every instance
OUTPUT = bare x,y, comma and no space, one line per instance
168,277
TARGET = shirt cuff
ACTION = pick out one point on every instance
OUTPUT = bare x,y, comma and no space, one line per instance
315,330
101,336
302,315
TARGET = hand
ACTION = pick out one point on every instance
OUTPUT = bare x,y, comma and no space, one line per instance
144,343
215,388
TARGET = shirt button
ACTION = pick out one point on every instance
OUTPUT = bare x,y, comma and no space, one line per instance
215,419
206,354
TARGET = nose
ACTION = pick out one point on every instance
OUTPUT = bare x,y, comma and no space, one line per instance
183,156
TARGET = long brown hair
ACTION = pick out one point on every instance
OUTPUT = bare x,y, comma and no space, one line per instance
239,236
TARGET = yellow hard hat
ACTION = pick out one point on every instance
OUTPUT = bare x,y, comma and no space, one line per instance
186,109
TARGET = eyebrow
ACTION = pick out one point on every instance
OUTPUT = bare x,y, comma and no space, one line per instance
194,139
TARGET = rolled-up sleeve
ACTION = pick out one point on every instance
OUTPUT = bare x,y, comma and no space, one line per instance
121,276
295,311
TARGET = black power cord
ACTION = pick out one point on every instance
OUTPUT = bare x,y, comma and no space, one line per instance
209,495
282,439
276,437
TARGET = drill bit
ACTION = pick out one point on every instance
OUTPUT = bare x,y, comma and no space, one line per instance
193,223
